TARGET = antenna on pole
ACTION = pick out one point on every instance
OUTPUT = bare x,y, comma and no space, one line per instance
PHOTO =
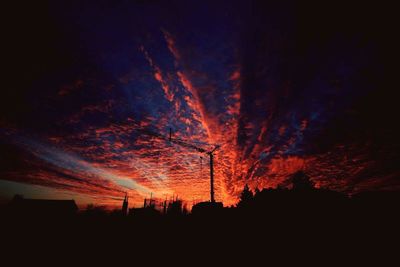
192,145
201,150
212,177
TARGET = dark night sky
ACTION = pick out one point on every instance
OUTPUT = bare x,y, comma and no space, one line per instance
281,85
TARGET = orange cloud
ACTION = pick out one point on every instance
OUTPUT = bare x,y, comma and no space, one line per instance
169,94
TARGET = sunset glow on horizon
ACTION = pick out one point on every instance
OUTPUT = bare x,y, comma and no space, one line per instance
93,123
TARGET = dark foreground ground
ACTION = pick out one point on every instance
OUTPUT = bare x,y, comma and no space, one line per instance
298,225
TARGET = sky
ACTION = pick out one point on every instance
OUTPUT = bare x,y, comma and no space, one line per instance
92,89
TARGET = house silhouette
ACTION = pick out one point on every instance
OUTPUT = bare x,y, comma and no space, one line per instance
44,207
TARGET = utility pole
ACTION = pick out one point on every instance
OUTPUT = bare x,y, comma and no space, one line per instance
212,177
201,150
187,144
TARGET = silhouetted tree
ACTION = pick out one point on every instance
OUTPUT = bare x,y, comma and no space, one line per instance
245,197
301,181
